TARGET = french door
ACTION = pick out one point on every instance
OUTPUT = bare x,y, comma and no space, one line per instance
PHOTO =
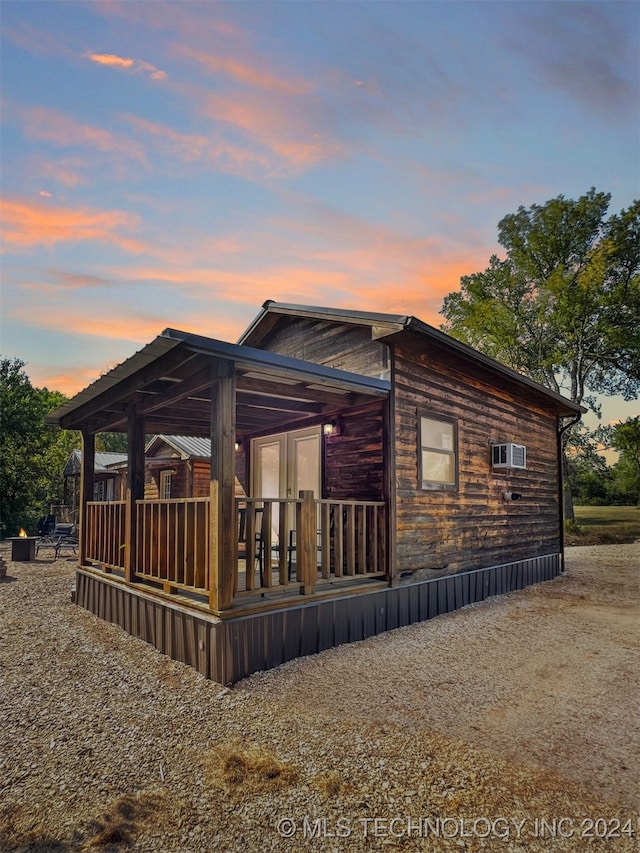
283,465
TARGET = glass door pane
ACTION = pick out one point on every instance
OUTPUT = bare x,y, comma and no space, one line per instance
269,474
304,464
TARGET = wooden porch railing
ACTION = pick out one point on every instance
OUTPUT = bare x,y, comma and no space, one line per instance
301,541
290,543
172,542
105,533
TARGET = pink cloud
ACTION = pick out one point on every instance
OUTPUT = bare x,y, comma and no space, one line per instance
122,63
288,129
36,40
65,172
27,224
254,74
208,150
53,126
67,381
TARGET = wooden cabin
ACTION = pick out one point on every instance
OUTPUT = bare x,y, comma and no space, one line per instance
366,471
177,466
108,481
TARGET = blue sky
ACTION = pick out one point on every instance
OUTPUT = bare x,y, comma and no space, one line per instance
176,164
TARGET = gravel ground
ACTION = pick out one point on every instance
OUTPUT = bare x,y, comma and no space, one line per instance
512,725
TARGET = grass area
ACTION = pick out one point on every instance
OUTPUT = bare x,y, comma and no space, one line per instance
604,525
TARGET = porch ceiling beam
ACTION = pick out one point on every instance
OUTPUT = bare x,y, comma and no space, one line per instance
259,401
195,384
179,418
122,392
193,430
300,392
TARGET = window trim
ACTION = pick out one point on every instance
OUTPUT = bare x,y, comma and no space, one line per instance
166,476
435,485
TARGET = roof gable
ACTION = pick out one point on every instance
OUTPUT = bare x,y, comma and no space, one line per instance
187,447
416,334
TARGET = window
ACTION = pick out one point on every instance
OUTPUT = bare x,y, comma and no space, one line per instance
438,468
165,485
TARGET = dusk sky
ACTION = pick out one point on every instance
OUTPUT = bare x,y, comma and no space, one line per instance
177,164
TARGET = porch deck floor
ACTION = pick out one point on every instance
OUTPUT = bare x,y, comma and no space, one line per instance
247,602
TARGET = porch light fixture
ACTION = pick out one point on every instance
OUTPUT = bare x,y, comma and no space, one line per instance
238,444
331,427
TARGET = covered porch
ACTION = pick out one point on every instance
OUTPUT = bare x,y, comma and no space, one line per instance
266,533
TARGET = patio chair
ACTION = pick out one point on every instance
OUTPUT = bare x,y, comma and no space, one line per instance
63,537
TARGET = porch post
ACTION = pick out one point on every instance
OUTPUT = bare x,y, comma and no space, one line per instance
87,467
223,542
307,541
135,487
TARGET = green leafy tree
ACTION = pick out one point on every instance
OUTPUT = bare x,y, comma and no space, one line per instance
112,442
32,453
587,472
563,306
625,438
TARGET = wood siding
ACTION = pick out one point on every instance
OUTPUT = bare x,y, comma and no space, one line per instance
438,531
354,459
442,531
190,478
337,345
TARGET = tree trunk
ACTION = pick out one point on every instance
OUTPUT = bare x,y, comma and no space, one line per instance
567,500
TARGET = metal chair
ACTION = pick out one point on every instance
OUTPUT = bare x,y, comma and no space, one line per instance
63,537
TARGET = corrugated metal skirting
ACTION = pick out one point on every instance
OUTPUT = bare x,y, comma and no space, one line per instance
229,650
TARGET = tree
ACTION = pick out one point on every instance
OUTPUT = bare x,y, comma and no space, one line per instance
588,475
112,442
563,306
625,438
33,454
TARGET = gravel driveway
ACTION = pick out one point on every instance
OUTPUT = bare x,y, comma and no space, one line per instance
512,725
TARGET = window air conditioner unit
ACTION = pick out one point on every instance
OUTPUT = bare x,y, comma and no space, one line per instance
508,456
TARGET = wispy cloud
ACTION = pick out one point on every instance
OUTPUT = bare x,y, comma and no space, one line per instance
53,126
35,40
67,171
26,224
135,326
122,63
210,150
291,131
254,74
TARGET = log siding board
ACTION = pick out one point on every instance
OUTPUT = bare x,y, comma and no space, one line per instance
331,344
354,459
445,531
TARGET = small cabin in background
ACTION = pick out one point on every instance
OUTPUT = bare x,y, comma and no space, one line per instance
177,466
108,480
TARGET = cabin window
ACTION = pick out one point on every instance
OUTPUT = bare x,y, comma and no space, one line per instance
438,454
165,485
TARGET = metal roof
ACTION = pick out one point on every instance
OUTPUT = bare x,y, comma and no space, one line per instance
168,379
187,446
103,460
